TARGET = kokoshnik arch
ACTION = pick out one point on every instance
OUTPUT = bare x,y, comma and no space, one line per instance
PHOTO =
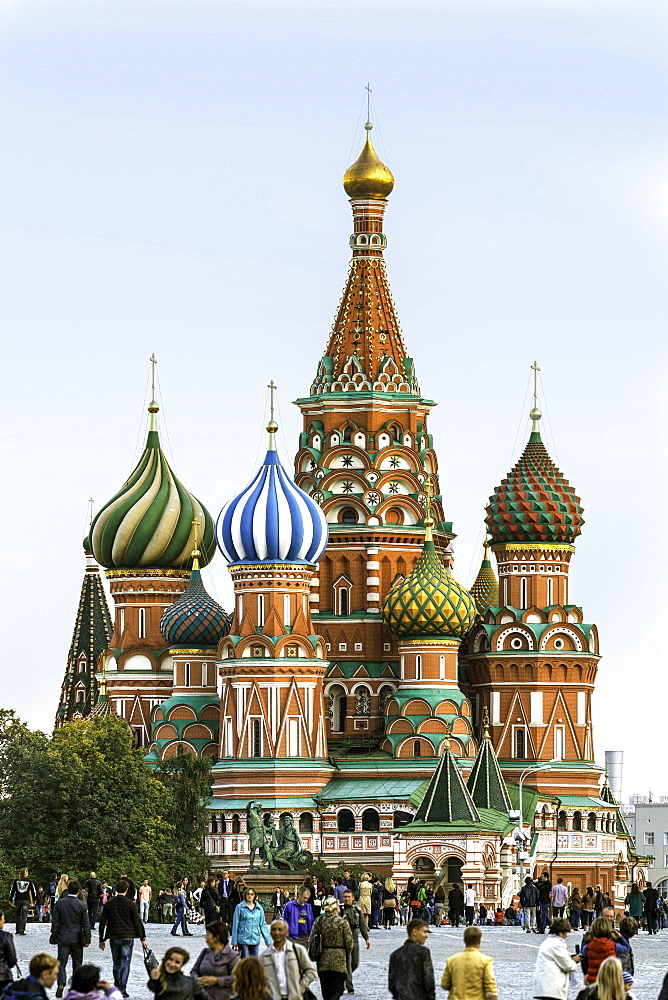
356,685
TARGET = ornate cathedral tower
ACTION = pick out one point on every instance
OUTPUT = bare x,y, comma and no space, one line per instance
144,537
92,632
365,453
532,661
273,741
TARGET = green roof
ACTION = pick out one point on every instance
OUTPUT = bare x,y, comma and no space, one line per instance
370,789
239,805
447,798
581,802
489,819
486,785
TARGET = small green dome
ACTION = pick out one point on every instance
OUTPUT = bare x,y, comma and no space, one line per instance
149,522
485,589
429,601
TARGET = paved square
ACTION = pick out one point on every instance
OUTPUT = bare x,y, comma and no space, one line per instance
514,954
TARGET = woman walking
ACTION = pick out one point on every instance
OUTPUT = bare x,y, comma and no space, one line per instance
335,938
588,906
169,980
181,905
635,903
210,900
389,903
364,898
214,966
249,925
575,907
554,964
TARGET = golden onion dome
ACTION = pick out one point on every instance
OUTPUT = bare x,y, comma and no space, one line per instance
368,177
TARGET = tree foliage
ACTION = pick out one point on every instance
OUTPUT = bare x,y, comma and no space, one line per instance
85,799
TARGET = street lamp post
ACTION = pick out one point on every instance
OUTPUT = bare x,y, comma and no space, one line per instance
545,766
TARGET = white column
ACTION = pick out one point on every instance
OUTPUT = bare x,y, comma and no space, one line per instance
372,581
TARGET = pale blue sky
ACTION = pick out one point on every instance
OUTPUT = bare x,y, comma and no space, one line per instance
171,183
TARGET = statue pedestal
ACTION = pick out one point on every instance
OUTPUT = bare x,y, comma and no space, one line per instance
266,882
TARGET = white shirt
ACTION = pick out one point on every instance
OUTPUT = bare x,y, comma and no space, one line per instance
278,955
469,897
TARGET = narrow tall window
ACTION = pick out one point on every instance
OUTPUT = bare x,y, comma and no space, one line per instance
418,668
205,675
343,600
417,749
186,674
523,592
519,744
286,609
566,591
256,750
260,610
550,591
559,740
505,593
121,620
441,668
141,630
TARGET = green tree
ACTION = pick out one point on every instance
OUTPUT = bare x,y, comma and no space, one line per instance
187,780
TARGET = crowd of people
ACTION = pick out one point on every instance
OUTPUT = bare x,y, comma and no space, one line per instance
316,932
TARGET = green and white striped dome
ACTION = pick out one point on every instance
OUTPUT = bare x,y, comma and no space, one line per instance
149,522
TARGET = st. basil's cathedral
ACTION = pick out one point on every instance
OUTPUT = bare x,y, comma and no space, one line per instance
356,685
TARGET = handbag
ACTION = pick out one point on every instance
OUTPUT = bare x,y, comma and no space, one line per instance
150,961
315,946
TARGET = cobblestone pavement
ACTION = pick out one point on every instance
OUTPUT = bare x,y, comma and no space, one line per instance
513,951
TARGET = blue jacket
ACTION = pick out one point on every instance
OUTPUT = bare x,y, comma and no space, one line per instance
249,924
292,911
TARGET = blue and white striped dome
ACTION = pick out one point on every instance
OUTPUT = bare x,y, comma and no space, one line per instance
272,520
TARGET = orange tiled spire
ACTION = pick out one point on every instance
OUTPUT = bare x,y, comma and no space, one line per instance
366,350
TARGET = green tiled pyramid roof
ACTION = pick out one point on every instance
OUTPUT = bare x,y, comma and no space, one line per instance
534,503
485,783
485,590
447,798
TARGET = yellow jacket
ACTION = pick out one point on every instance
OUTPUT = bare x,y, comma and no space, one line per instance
469,975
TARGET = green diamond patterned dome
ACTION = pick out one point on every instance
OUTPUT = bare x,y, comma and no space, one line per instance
485,589
149,522
534,503
429,601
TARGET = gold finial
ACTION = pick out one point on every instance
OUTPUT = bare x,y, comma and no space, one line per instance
272,426
446,741
195,554
486,544
428,521
368,177
368,126
153,406
535,414
91,508
485,723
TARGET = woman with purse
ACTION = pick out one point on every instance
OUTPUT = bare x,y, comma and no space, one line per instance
214,966
249,925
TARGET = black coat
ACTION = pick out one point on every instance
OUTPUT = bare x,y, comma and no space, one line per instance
411,975
651,896
7,956
456,900
209,897
119,919
69,922
179,987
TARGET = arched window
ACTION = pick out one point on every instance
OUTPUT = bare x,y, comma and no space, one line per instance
591,822
417,749
418,668
402,818
286,610
505,593
545,814
371,820
338,709
141,628
236,824
561,820
345,821
306,823
260,610
222,825
577,820
186,674
256,738
214,825
349,516
550,585
363,701
343,600
520,751
383,695
347,434
523,592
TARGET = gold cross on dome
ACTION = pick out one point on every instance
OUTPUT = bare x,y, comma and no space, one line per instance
429,490
368,102
535,369
272,389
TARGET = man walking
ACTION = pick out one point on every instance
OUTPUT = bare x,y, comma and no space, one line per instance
278,901
70,930
559,896
469,973
22,897
145,897
225,890
298,915
132,888
411,973
651,896
469,905
529,902
94,889
120,925
289,969
455,904
544,887
357,925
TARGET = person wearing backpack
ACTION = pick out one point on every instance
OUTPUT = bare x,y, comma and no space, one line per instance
529,902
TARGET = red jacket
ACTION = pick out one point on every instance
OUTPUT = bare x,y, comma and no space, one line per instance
597,950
